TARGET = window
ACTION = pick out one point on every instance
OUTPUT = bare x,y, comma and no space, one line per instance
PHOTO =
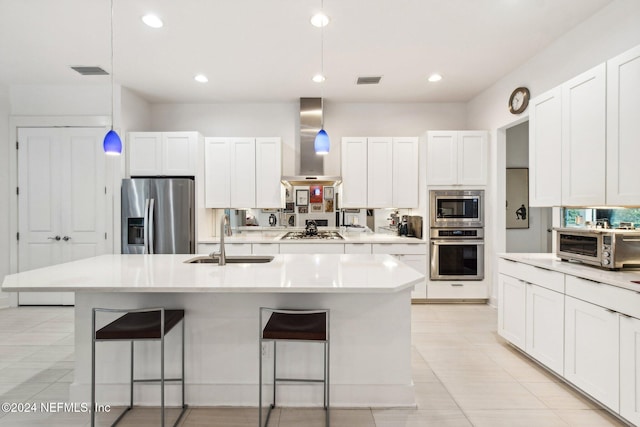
584,216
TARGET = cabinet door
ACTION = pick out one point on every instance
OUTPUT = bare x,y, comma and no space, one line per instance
354,173
405,172
418,263
145,153
217,173
380,172
630,369
545,149
623,128
312,248
442,163
512,297
472,158
583,138
179,152
592,350
545,327
268,173
243,172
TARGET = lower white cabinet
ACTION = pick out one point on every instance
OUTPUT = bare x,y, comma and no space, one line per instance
412,254
545,327
418,263
630,369
592,350
357,248
512,294
229,248
466,290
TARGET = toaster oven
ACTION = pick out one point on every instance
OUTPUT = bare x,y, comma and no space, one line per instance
607,248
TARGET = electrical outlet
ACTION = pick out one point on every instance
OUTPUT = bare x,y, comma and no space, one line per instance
265,350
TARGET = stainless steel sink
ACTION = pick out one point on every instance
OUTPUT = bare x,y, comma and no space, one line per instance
231,259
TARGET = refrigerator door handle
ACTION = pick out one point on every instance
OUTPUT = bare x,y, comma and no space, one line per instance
151,225
146,226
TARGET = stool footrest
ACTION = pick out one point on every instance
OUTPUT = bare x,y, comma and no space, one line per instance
300,380
155,380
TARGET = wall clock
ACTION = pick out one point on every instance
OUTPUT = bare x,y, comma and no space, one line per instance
519,100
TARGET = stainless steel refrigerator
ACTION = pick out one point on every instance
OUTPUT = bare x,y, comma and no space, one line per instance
158,216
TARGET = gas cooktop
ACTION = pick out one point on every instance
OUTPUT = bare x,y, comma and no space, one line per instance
322,235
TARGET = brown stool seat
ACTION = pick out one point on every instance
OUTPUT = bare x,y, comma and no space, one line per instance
286,326
140,325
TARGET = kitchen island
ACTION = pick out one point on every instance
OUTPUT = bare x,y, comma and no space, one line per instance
369,297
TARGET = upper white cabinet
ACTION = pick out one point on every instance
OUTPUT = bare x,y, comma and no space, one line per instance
242,172
583,138
457,157
379,172
354,173
623,128
545,149
163,153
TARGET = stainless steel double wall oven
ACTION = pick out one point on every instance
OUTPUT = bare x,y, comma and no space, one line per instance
457,234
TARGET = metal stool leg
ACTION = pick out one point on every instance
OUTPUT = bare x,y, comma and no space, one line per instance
93,369
131,384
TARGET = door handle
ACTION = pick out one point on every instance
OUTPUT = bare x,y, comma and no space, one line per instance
66,238
56,238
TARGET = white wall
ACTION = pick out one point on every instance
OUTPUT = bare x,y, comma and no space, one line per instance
60,100
4,188
282,119
535,238
607,33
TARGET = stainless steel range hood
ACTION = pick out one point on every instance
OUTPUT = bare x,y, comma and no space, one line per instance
310,168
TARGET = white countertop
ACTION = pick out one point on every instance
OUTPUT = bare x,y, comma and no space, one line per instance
169,273
266,236
622,279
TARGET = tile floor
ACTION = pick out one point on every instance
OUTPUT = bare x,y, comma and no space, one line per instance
465,375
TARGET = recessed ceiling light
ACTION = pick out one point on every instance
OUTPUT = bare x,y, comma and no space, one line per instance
319,20
153,21
435,78
201,78
318,78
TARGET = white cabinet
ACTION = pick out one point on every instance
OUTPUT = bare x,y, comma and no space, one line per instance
357,248
412,254
405,172
242,172
380,172
545,327
630,369
457,157
512,294
545,149
354,173
583,138
592,350
265,249
623,128
268,173
163,153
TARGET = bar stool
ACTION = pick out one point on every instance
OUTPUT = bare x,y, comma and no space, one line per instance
295,325
145,324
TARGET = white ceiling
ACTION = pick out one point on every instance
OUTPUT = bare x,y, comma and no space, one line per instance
266,50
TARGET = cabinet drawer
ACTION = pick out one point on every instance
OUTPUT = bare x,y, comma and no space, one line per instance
399,248
456,290
207,248
357,248
265,248
531,274
607,296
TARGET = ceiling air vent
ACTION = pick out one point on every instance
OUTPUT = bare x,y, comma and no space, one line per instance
90,71
368,80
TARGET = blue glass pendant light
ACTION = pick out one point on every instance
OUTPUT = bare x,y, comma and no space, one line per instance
112,144
322,143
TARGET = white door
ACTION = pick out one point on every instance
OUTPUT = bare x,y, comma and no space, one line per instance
405,172
545,327
268,173
442,158
61,201
380,172
512,296
630,369
354,172
472,158
243,172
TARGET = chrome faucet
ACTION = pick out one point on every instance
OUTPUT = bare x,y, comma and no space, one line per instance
225,229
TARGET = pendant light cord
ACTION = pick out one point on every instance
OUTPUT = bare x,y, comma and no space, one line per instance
324,79
112,91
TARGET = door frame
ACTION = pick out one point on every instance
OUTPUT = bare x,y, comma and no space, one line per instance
114,170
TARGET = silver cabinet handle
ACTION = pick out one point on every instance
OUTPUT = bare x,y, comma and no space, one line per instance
56,238
66,238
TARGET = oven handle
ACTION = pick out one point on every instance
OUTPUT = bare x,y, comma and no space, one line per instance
441,242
